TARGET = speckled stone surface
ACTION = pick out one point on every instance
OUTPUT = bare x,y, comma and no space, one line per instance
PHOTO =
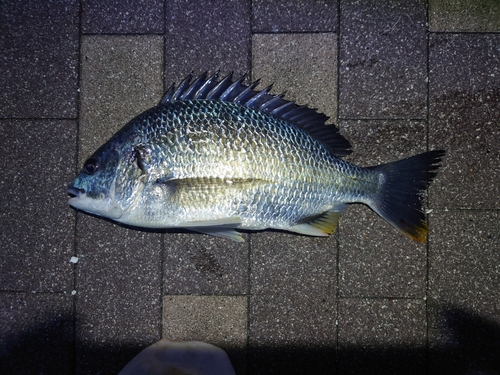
464,260
294,16
217,320
464,112
38,59
121,77
302,65
119,270
382,72
37,333
203,36
36,251
464,291
118,299
292,304
200,264
399,78
464,15
375,260
122,17
382,336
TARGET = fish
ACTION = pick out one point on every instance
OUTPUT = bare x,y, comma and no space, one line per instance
218,155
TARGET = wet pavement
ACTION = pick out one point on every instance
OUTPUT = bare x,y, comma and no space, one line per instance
82,295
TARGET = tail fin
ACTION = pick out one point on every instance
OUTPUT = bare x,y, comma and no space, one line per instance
400,201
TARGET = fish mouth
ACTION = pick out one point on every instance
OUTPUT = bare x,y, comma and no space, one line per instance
74,193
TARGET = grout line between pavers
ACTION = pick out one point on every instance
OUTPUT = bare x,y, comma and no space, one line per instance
463,32
394,119
33,292
337,237
380,298
249,247
163,249
122,34
248,295
292,32
41,118
75,215
427,245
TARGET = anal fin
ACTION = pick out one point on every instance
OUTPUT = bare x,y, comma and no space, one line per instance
323,224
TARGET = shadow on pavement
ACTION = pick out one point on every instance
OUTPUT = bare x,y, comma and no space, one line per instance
470,345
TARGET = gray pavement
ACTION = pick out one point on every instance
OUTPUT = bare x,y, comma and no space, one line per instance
397,77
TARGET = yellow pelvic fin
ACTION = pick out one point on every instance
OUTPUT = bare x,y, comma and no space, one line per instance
323,224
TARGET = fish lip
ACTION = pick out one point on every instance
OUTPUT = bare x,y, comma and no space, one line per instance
74,194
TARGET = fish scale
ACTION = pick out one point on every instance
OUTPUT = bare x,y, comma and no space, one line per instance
215,155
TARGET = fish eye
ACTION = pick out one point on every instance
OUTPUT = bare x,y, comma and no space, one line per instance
90,166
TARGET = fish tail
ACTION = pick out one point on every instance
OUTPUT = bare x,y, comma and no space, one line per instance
400,201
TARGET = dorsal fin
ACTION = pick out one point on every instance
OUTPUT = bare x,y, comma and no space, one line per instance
308,119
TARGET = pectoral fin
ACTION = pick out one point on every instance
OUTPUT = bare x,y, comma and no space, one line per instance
230,234
226,222
222,227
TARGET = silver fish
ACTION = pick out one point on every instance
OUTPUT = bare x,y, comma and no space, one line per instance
215,155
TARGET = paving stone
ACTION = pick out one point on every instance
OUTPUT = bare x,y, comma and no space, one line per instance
382,336
217,320
464,112
200,41
119,16
119,269
37,158
292,304
464,262
206,40
38,59
37,333
462,340
292,317
464,15
382,141
118,304
464,291
294,16
121,77
375,259
383,55
201,264
302,65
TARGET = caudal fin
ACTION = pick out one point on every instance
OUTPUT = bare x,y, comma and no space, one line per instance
401,199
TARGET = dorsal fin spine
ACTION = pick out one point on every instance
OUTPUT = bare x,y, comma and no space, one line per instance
227,90
234,92
194,87
207,86
271,104
221,87
283,109
182,87
253,102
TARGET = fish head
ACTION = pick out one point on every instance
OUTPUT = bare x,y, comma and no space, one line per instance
109,182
